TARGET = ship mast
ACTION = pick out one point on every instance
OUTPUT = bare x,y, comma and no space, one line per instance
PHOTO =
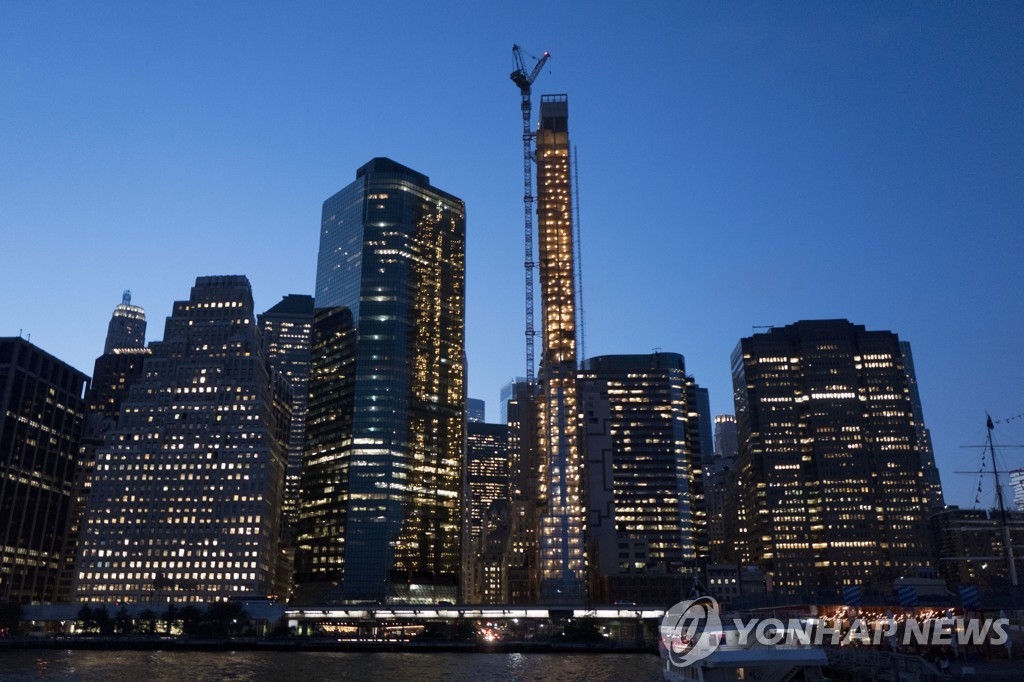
1004,525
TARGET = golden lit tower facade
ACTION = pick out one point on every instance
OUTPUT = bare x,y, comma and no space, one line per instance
486,513
380,518
562,548
831,477
185,503
643,465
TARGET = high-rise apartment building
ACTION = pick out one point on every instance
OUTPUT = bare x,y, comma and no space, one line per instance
384,464
563,560
186,491
113,374
832,483
641,421
42,411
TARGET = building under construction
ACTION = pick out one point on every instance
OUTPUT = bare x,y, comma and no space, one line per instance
560,491
547,543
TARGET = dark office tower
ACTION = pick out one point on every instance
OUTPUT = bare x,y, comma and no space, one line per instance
522,575
830,463
643,460
726,441
186,495
720,479
704,423
286,330
127,328
113,375
41,416
486,524
505,395
475,410
698,437
563,560
933,484
392,252
320,555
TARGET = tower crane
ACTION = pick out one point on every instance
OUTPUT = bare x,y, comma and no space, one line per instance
524,81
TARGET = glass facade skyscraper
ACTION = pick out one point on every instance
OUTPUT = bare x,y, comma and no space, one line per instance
385,463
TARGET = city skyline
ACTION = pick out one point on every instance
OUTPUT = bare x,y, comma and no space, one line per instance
730,170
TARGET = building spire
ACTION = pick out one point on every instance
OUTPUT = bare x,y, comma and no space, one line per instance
127,328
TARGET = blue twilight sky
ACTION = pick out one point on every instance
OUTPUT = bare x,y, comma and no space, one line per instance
740,164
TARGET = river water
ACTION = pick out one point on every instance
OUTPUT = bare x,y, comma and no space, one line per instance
274,666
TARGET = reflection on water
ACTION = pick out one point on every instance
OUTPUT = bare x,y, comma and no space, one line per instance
267,666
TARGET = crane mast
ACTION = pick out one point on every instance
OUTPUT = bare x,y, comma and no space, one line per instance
524,81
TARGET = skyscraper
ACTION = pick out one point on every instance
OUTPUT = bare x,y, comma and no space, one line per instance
833,490
186,497
286,330
385,463
522,558
643,464
720,480
127,327
476,410
933,484
563,561
42,410
113,375
506,394
486,522
726,441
